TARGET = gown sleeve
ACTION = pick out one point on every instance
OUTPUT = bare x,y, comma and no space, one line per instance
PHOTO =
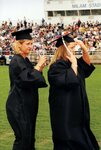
86,68
63,76
25,76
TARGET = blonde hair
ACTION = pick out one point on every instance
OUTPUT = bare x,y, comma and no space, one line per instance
17,46
60,53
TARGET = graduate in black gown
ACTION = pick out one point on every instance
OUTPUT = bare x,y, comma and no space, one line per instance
68,102
22,101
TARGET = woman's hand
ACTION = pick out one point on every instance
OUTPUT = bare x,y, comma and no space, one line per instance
85,53
82,45
41,63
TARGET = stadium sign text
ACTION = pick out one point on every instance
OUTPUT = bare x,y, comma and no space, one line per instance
89,5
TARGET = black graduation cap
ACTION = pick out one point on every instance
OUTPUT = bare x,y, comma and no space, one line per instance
59,40
23,34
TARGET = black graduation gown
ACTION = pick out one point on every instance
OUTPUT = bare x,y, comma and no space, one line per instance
69,108
22,102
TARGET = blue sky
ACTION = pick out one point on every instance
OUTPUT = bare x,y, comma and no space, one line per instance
17,9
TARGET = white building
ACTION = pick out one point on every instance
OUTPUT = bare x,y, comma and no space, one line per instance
68,11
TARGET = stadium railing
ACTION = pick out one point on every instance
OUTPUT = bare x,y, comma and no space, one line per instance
94,55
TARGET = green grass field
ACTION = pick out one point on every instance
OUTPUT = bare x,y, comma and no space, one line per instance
43,130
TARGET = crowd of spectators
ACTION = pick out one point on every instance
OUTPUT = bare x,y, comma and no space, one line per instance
88,32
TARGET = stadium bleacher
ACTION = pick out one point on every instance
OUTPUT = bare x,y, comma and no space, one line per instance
89,32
